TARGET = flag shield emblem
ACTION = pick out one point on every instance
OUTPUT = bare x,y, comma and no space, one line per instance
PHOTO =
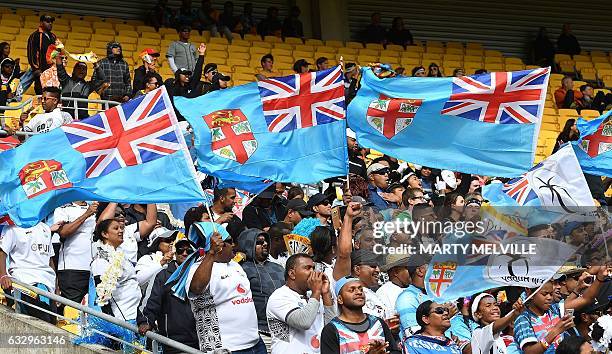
389,116
43,176
231,135
442,276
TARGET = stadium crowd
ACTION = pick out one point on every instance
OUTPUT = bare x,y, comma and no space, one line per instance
250,291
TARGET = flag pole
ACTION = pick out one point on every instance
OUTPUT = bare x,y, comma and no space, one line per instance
348,186
211,217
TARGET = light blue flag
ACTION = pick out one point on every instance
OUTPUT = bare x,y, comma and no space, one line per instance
485,124
593,147
287,129
133,153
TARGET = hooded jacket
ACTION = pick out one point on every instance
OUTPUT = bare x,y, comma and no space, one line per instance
171,316
116,72
265,277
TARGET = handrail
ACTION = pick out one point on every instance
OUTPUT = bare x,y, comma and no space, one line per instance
152,335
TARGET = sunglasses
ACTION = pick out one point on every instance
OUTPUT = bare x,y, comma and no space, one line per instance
440,310
384,171
260,242
325,202
182,250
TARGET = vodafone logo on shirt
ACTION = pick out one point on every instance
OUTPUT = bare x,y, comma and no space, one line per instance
242,291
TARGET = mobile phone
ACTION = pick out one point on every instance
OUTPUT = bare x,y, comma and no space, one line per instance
589,280
569,312
336,218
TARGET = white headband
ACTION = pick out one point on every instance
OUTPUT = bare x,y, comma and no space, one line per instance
476,302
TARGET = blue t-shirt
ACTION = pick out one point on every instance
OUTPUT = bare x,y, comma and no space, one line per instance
531,328
420,344
406,306
460,328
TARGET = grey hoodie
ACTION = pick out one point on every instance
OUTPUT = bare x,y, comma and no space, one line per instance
264,277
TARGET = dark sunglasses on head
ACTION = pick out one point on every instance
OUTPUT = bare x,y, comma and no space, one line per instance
182,250
440,310
384,171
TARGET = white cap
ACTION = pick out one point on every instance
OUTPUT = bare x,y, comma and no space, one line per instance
350,133
375,167
476,302
449,178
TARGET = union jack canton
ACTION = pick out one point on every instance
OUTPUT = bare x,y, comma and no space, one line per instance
302,100
499,98
141,130
520,189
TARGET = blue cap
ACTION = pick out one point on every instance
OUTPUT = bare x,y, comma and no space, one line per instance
342,281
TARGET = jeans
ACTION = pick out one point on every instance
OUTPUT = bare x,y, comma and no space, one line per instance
259,348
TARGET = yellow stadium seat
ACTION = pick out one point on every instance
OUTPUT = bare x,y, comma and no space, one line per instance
431,57
395,47
143,29
218,40
257,52
252,37
390,53
452,57
122,27
367,51
472,45
293,40
375,46
515,67
474,52
561,57
356,45
281,45
409,63
285,52
599,60
589,114
262,44
283,59
568,113
240,56
153,35
566,66
411,54
458,51
241,42
389,60
578,83
493,53
513,60
237,62
494,67
599,66
318,42
452,64
233,49
436,50
146,42
598,53
492,60
434,44
243,70
128,47
550,126
10,23
307,48
588,74
272,39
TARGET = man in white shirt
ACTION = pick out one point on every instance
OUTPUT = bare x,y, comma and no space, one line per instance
52,118
78,222
396,268
294,318
222,302
29,252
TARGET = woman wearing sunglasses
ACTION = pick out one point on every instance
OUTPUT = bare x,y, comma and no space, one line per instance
434,320
164,312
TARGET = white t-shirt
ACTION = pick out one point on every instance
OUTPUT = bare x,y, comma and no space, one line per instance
225,312
388,294
483,341
373,304
131,237
281,260
76,251
286,339
126,296
45,122
29,251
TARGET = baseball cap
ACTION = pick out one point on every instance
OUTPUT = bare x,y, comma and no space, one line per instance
364,257
221,77
183,71
209,67
375,167
350,133
47,18
299,63
300,206
150,51
342,282
161,234
315,200
476,302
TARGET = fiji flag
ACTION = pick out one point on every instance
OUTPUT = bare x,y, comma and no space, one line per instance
286,129
486,124
593,147
133,153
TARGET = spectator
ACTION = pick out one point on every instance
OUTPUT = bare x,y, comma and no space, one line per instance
186,82
292,26
400,70
271,25
373,333
434,70
75,255
52,117
590,100
278,249
566,96
459,72
208,18
294,317
227,21
375,32
126,292
586,317
569,133
247,21
222,209
161,254
543,50
138,212
322,63
186,15
365,267
182,54
40,45
356,164
5,50
151,83
378,177
75,86
195,214
260,214
295,192
351,82
267,68
161,15
220,81
321,206
453,207
221,299
265,276
117,72
301,66
575,345
434,320
414,295
567,42
149,58
297,209
411,197
398,34
396,267
210,70
28,252
485,311
9,78
418,71
161,310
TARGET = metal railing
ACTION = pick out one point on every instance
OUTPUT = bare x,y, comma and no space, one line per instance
72,107
155,338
